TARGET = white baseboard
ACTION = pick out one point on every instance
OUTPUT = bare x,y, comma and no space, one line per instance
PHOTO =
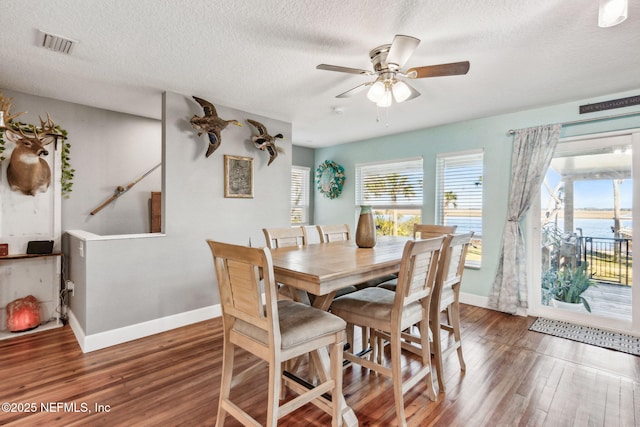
483,302
476,300
105,339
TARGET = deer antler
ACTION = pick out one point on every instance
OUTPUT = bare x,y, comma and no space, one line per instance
47,128
5,105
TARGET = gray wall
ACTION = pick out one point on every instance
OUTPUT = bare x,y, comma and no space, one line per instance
108,149
128,280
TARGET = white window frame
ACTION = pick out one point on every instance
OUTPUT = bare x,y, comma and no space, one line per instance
413,166
468,199
303,203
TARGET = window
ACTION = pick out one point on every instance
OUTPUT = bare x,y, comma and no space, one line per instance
299,195
459,196
394,190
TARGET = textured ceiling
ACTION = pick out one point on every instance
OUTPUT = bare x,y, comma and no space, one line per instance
260,56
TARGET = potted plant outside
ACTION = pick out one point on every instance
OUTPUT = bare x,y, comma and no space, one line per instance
566,285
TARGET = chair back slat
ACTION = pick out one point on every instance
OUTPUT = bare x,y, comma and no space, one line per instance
334,233
451,266
284,237
456,256
311,234
243,274
245,289
427,231
418,270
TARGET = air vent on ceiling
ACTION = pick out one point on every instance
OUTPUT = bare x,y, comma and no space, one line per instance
56,43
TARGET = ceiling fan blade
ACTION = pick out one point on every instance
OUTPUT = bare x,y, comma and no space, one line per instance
355,90
401,49
340,69
452,69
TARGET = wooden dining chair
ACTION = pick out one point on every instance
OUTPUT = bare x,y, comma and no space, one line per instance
311,234
425,231
446,298
421,231
334,233
275,331
380,309
280,237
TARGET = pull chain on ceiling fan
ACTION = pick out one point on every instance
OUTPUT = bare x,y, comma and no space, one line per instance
387,61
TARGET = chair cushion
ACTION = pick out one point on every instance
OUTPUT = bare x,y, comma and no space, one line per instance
378,281
340,292
389,284
299,323
372,307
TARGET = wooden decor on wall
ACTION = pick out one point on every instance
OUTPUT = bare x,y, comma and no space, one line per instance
238,176
155,211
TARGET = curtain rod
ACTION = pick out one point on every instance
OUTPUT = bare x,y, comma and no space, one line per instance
593,119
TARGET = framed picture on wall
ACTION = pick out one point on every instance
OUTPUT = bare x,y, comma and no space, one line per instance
238,177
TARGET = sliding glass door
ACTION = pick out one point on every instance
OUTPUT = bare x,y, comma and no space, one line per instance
584,268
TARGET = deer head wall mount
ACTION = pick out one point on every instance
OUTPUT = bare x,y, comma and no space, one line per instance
27,171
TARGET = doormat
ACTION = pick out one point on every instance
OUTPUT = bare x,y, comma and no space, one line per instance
588,335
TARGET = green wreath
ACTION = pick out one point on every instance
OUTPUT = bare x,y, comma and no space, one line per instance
330,179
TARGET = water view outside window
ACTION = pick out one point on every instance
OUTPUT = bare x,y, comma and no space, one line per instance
459,197
586,224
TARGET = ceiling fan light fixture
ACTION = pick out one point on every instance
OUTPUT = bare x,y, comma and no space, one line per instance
401,91
376,92
385,100
612,12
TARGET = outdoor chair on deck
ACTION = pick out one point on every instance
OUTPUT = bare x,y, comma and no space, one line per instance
275,331
379,309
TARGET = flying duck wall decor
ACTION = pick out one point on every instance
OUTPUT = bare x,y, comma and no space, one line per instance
211,124
265,142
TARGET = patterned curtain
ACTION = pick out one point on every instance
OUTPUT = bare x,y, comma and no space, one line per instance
532,153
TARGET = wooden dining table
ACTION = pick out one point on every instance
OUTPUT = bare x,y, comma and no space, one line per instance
323,269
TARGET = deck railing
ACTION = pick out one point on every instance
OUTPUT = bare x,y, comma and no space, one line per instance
609,260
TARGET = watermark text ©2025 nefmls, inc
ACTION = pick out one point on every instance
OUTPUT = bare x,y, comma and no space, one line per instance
54,407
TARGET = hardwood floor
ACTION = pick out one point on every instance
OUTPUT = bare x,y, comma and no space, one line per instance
514,377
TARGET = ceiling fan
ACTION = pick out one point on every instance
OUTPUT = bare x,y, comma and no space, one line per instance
388,61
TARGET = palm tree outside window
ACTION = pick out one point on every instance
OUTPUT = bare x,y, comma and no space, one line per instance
394,191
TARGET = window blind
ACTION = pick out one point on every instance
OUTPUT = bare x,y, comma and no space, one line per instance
390,185
299,194
459,191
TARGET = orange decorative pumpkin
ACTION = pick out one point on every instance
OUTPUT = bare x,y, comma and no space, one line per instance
23,314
